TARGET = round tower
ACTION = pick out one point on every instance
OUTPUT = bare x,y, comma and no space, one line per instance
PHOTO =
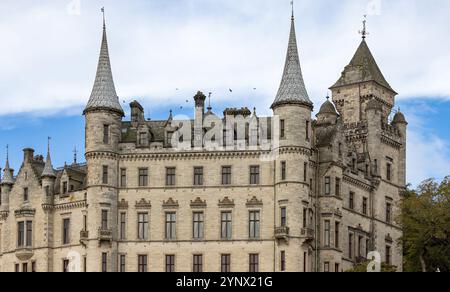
292,110
401,124
48,179
103,117
6,184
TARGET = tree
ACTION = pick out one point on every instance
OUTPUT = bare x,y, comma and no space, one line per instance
425,218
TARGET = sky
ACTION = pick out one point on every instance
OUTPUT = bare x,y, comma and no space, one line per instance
163,51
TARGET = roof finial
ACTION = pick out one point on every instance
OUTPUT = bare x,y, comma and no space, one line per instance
75,152
364,32
104,19
7,156
209,101
292,4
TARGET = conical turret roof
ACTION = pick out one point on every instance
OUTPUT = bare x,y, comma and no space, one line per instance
7,173
363,61
104,94
292,89
48,168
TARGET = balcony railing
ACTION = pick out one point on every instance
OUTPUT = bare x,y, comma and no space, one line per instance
308,233
282,232
104,235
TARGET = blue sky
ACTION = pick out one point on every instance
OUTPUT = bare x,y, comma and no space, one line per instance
49,50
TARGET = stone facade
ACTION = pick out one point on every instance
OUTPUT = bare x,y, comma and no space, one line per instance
319,198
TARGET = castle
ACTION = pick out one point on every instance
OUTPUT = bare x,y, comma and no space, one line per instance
313,195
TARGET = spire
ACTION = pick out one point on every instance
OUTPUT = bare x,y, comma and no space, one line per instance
292,89
104,94
362,68
7,176
48,168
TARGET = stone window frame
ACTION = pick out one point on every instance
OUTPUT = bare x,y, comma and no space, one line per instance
259,222
223,174
227,221
172,264
194,212
173,223
65,218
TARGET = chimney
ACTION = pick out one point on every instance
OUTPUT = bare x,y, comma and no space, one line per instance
28,155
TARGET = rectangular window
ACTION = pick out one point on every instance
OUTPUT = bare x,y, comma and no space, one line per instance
143,226
283,261
307,130
225,263
226,175
104,220
47,192
198,176
66,266
105,134
282,129
143,177
254,175
198,225
197,263
364,206
327,237
170,176
25,268
336,235
66,231
336,268
388,171
85,264
29,235
283,216
122,263
254,263
326,267
25,194
388,255
171,221
350,246
170,263
123,225
327,186
104,262
226,225
64,187
17,268
360,246
305,172
105,175
254,224
123,177
305,218
84,223
351,201
283,170
142,264
33,267
388,212
338,187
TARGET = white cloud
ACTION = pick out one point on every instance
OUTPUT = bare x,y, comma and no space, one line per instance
48,57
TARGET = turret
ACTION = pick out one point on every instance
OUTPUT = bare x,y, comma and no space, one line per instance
48,179
292,120
6,184
327,113
103,118
401,124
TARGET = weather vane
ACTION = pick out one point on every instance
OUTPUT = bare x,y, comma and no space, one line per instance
364,32
292,4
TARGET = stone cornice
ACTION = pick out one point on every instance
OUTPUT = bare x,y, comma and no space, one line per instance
65,206
390,142
192,155
358,183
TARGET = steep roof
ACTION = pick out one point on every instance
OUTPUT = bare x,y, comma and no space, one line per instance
364,61
327,108
48,168
104,94
7,176
292,88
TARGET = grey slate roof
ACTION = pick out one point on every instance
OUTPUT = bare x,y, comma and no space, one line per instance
292,88
7,176
364,61
48,168
327,108
104,94
399,118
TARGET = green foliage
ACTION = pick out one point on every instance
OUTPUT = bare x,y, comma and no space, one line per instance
362,268
425,219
